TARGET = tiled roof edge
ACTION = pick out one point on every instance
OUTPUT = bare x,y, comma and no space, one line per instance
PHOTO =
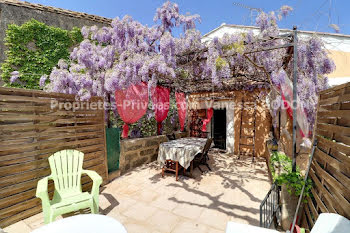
56,10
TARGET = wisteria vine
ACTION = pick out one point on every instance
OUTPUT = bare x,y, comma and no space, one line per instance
128,52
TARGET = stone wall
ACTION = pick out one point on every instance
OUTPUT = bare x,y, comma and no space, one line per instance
19,12
181,134
138,151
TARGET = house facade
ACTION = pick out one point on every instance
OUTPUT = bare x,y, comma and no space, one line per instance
237,129
240,124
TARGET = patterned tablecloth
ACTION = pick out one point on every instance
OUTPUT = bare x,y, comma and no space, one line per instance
183,150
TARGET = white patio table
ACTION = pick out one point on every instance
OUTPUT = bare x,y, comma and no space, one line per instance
84,223
179,152
331,223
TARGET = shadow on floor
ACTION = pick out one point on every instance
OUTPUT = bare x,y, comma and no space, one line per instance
234,173
112,201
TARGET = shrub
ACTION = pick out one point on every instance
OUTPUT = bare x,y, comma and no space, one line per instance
34,48
294,181
147,125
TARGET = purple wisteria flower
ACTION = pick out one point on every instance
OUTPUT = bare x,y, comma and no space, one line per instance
14,77
262,21
43,80
285,10
128,52
62,64
278,77
335,27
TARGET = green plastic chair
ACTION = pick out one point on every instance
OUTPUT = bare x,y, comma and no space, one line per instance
66,170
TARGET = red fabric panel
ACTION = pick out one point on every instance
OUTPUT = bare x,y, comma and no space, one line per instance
290,112
181,108
287,96
132,104
210,113
160,100
125,130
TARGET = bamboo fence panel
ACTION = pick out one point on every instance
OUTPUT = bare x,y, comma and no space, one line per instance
31,130
330,169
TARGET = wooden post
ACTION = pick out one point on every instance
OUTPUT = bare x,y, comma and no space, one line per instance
105,147
109,125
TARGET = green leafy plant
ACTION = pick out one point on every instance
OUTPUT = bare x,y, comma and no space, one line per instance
34,48
281,169
147,125
220,63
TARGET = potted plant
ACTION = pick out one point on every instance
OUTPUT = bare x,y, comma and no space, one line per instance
291,183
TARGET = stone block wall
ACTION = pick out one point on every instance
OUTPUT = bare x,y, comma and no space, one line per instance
138,151
181,134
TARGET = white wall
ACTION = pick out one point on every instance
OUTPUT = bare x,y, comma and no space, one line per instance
230,133
332,41
230,130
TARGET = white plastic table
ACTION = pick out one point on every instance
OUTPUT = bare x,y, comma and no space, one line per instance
84,223
331,223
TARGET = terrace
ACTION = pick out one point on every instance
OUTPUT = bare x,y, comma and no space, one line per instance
135,101
140,198
143,201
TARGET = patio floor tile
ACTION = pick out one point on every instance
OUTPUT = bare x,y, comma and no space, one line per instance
35,221
164,202
144,202
138,228
145,195
214,218
190,227
140,211
19,227
129,190
116,214
164,221
119,202
213,230
188,211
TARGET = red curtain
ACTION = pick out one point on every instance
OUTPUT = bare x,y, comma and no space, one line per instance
210,113
132,104
181,108
160,100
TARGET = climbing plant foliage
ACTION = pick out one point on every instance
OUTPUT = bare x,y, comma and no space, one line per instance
147,125
282,174
34,48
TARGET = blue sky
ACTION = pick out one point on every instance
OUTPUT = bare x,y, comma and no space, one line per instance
313,15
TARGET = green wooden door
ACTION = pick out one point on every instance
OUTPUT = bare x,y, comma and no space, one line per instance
113,148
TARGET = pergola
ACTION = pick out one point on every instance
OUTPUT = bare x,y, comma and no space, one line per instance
240,78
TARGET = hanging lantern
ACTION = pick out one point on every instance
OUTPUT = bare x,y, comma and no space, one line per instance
160,100
132,104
